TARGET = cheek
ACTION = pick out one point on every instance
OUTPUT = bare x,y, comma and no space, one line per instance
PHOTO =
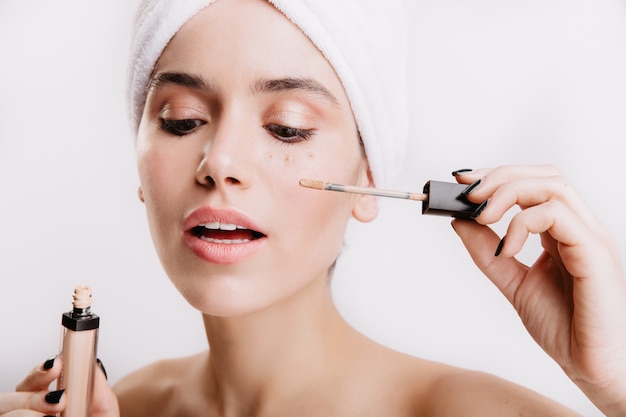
322,208
288,158
160,166
323,218
151,173
161,181
288,167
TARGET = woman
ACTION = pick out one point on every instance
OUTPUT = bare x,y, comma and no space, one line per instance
226,131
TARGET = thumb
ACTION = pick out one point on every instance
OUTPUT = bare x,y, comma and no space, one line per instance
482,243
104,399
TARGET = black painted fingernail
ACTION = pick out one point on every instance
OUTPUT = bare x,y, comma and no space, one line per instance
499,248
104,371
461,171
470,188
53,397
479,209
49,363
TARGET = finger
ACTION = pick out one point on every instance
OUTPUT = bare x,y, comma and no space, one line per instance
504,184
468,176
486,181
104,400
585,251
591,261
42,375
43,402
552,217
24,413
102,368
529,192
505,173
481,242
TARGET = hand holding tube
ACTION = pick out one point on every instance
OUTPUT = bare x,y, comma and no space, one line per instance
572,299
33,395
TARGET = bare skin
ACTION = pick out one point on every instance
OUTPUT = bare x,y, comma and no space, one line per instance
361,378
223,141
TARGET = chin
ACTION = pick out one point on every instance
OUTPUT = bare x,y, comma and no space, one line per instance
223,297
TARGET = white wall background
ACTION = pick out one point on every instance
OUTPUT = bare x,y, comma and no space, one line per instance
496,81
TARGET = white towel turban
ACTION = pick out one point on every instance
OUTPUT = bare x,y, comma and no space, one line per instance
364,40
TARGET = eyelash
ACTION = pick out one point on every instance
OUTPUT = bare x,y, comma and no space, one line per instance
180,127
183,127
289,134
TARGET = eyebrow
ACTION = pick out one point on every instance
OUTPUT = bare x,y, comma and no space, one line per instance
182,79
277,85
293,83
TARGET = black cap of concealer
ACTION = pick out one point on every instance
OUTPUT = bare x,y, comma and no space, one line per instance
445,199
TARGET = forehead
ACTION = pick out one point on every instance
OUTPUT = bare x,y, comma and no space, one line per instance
245,39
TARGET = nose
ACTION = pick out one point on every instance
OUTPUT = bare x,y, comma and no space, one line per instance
227,159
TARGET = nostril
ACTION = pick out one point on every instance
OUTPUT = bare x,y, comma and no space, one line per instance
211,182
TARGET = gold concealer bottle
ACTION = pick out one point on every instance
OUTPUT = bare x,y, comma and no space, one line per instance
79,344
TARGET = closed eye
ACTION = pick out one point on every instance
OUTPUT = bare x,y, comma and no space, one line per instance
289,134
180,127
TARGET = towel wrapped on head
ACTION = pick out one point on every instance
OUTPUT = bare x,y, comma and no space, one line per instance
365,41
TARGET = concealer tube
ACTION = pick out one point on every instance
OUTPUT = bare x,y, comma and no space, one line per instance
79,344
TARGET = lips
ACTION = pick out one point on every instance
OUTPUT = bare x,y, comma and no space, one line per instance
222,235
225,233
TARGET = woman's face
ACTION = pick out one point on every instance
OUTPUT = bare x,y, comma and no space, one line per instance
241,105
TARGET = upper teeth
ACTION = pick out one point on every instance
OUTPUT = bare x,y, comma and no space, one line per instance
220,226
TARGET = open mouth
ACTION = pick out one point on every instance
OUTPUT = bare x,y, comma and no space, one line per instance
224,233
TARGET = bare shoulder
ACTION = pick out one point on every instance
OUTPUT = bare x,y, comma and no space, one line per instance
404,385
466,393
156,388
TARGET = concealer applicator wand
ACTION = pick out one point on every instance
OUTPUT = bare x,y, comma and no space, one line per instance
438,198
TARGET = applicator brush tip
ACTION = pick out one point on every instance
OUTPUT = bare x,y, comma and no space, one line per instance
317,184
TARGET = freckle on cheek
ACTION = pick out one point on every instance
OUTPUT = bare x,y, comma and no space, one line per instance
268,156
310,155
287,158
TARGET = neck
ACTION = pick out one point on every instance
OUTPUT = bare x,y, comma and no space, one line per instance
260,359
